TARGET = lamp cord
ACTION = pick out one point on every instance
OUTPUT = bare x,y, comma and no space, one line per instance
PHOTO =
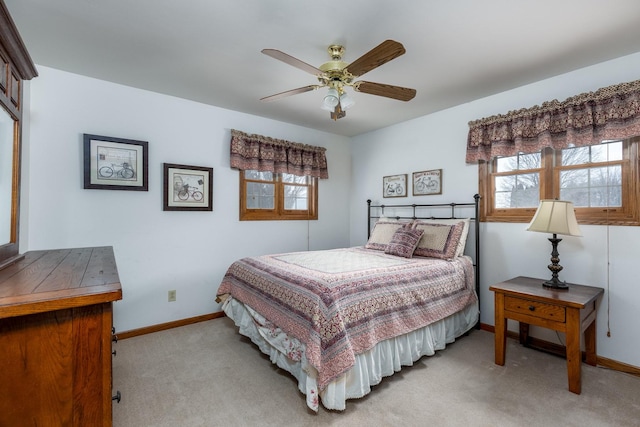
608,259
608,281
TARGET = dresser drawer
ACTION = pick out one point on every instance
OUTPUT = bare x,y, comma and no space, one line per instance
535,309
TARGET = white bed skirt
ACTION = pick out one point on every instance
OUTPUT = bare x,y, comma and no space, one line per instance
370,367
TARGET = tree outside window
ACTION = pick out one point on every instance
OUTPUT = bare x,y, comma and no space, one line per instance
598,179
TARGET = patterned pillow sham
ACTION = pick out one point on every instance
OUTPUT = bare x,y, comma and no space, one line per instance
383,233
438,240
404,241
463,237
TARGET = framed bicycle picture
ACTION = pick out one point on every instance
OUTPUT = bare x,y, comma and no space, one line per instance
187,188
394,186
115,163
427,182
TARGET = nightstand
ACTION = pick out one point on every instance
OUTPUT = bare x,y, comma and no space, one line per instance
570,311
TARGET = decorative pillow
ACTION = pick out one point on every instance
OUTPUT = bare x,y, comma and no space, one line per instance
404,241
439,240
383,233
463,237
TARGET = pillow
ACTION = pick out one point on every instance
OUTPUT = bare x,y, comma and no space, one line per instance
439,240
463,237
383,233
404,241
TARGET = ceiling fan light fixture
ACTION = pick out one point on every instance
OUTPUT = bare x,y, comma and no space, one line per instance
331,99
346,101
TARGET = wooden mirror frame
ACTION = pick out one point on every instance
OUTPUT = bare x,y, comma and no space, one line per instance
15,67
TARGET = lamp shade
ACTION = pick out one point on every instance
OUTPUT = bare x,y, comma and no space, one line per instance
556,217
346,101
331,99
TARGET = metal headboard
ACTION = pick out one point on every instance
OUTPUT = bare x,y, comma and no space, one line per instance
444,211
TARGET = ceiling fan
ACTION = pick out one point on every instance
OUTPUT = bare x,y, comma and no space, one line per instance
337,74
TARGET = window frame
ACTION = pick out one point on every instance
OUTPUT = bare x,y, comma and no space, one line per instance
278,213
550,168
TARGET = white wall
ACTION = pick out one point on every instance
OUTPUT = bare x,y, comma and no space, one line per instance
439,141
155,250
190,251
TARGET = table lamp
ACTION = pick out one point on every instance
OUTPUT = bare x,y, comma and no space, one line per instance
555,217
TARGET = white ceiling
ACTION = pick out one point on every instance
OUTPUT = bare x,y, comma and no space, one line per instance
209,50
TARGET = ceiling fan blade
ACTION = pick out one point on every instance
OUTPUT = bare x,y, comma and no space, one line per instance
379,55
288,59
290,92
389,91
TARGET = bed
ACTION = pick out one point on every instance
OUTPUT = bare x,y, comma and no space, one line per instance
340,320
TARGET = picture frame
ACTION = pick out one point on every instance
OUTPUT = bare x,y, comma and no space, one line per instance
115,163
394,186
427,182
187,188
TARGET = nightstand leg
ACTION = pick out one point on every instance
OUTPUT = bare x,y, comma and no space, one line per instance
500,329
574,358
590,341
524,334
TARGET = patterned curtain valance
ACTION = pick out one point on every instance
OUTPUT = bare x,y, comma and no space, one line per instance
609,113
256,152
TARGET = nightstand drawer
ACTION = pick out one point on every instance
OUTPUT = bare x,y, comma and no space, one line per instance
535,309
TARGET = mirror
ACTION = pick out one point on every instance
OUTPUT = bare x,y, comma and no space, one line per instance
6,175
15,67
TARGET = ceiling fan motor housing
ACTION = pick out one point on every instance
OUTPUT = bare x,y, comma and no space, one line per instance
333,71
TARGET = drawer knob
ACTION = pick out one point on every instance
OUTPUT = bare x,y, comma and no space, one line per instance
117,396
114,352
532,308
114,338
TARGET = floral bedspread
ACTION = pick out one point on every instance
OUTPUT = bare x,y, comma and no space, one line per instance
342,302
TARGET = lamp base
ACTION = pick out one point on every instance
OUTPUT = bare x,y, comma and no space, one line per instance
556,284
555,267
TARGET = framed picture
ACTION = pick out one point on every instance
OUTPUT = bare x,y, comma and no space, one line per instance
394,186
427,182
187,188
115,163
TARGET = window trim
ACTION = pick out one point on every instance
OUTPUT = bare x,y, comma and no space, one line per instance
278,213
628,214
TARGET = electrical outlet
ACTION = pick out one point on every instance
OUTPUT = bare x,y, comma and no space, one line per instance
172,295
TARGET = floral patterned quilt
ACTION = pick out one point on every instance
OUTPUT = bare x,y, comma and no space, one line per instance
342,302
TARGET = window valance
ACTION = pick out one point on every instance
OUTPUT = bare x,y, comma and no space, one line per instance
612,112
256,152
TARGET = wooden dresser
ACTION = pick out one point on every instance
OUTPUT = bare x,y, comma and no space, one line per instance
55,338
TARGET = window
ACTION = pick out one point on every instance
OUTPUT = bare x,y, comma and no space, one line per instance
601,180
273,196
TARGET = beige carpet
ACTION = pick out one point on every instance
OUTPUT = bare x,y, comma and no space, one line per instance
206,374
